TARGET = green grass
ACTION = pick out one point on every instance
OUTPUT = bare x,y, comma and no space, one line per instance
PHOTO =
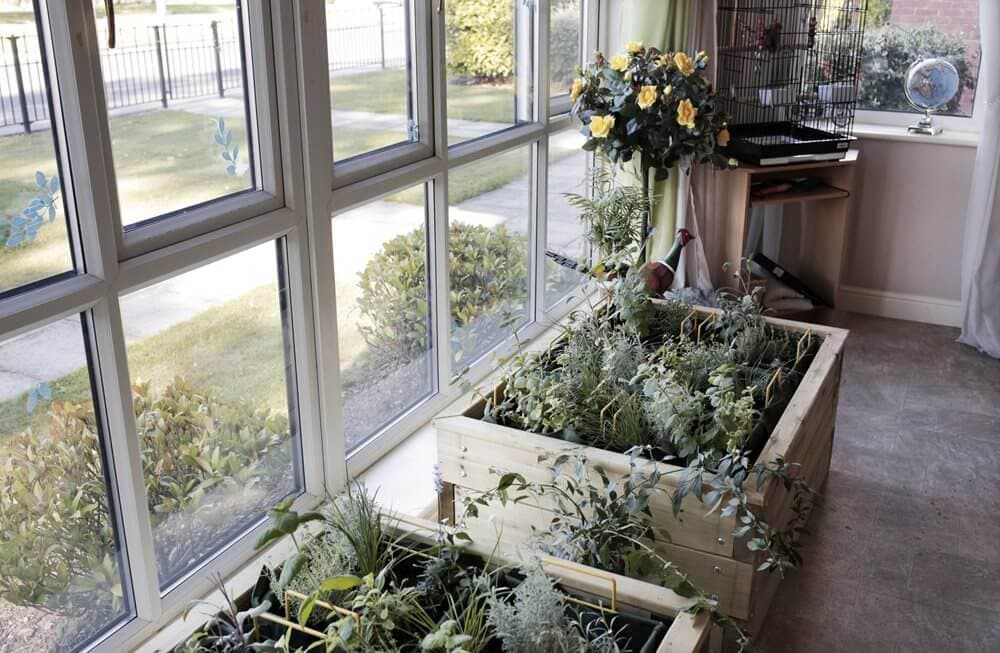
166,160
233,350
384,91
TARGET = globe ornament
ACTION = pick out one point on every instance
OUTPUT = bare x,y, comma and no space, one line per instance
930,84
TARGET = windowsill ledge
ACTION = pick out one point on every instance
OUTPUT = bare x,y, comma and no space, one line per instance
951,137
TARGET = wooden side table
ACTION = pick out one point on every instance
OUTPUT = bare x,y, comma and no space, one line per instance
823,233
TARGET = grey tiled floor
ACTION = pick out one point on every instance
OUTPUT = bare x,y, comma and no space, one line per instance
905,551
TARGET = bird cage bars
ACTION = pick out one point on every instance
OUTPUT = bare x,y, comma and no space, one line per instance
788,74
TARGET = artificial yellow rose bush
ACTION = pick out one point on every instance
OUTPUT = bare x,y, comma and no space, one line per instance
652,106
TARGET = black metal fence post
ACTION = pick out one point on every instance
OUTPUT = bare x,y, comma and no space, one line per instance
159,64
19,80
218,57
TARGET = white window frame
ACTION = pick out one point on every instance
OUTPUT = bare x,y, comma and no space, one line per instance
362,166
969,124
972,123
300,190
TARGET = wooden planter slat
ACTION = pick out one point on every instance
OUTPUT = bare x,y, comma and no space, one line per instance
468,448
725,577
687,633
702,545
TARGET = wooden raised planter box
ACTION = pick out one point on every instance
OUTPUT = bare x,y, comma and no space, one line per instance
686,633
701,545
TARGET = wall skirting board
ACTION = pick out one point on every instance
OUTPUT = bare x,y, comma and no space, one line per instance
900,306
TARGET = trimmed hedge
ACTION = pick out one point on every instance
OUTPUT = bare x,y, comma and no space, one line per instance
487,268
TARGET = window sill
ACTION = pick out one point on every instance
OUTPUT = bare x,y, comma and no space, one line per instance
951,137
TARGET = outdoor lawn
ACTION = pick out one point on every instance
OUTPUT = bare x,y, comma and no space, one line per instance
228,350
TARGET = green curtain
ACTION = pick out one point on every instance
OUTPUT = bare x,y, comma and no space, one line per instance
662,24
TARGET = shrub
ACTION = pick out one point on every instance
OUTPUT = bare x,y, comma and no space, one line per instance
486,267
56,539
890,51
480,38
878,14
564,47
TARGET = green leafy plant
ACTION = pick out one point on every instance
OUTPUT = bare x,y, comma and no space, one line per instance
612,218
726,491
284,522
533,618
480,39
57,546
487,270
356,518
603,523
890,51
446,637
228,630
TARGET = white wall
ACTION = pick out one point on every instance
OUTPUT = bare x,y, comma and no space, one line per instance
904,249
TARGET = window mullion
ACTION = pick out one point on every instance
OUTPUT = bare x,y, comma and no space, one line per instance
85,134
540,231
317,158
541,63
126,457
423,59
438,277
439,78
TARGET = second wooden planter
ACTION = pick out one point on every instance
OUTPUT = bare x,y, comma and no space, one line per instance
702,546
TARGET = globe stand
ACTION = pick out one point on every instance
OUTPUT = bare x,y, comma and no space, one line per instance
925,126
930,84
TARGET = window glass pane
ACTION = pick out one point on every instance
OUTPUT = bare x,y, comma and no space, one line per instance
564,45
383,311
488,220
34,240
60,565
489,57
209,353
900,32
565,236
176,92
370,74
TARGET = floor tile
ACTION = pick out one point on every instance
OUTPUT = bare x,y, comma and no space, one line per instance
905,554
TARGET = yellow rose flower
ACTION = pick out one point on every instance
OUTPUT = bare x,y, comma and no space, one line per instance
683,63
600,126
619,62
646,97
723,138
686,113
576,90
634,47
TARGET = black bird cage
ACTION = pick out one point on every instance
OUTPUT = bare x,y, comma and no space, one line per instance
788,74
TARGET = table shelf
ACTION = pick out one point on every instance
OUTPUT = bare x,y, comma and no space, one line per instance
823,192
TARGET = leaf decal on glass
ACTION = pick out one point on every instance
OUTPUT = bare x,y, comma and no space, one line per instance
224,138
23,228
